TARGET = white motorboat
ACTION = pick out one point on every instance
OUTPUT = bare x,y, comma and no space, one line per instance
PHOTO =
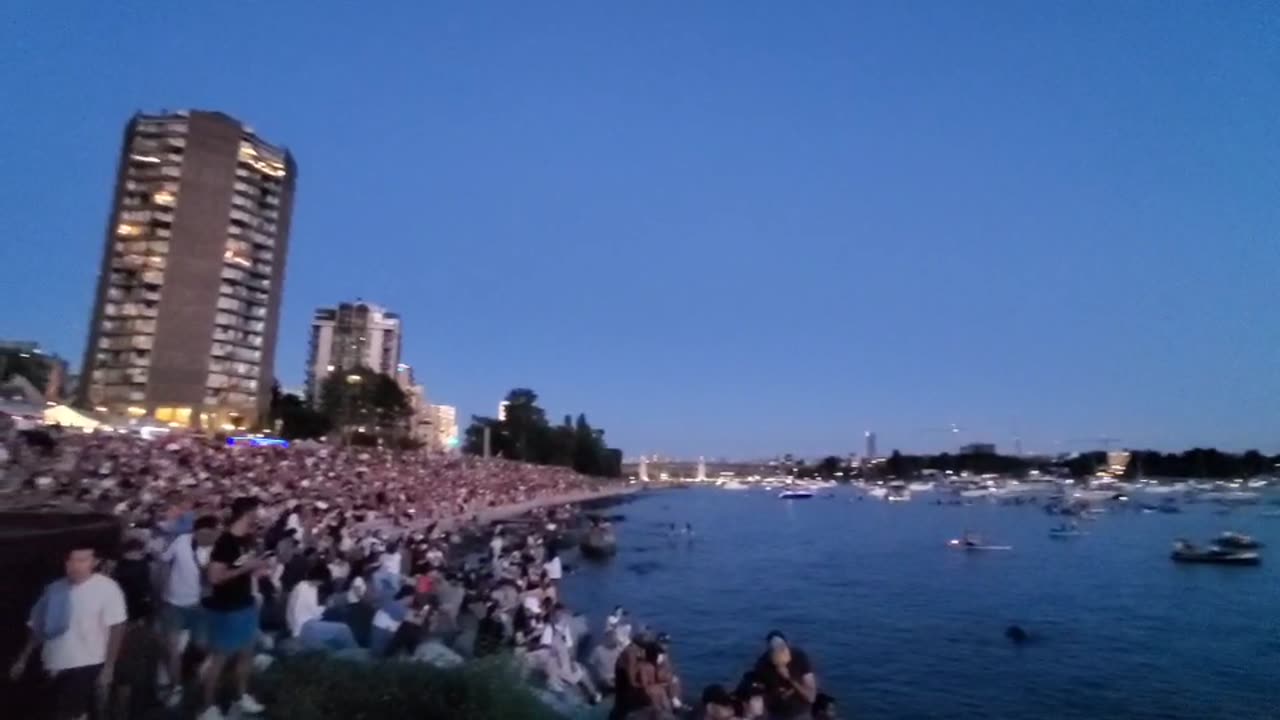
1233,497
1163,489
795,494
1088,495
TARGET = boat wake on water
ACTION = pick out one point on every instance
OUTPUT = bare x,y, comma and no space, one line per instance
971,546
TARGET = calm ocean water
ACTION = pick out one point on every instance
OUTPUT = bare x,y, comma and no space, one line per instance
900,626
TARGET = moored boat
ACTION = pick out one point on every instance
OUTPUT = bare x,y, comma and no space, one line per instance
959,544
1185,552
795,494
1233,497
973,543
1237,541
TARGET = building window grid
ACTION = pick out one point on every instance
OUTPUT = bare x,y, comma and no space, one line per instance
162,139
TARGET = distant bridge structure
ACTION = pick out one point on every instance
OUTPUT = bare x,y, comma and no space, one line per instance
698,470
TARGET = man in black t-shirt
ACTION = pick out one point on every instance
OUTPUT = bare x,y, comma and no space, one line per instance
231,608
133,574
788,679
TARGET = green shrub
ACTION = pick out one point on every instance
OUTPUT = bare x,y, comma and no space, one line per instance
312,687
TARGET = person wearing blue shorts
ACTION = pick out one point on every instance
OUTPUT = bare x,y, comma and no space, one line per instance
182,617
230,609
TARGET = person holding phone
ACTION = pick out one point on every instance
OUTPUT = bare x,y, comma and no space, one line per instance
788,678
232,610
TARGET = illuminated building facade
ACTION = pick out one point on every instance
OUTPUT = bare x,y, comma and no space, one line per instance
445,424
352,335
421,417
188,299
1117,462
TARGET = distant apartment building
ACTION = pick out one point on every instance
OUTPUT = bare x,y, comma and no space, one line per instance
349,336
188,295
1117,462
46,372
978,448
869,452
445,425
434,426
421,418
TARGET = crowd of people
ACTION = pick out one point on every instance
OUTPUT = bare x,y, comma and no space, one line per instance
141,480
782,684
235,555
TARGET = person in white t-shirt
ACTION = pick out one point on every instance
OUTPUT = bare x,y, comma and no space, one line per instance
552,572
305,616
182,617
80,625
559,656
552,567
495,545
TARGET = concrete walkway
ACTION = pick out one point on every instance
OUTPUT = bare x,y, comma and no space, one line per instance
506,512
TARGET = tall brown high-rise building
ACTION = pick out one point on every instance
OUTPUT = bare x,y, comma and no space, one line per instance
184,322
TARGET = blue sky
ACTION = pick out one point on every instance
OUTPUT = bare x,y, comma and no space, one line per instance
723,228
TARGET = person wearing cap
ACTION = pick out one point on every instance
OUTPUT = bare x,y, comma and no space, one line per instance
628,684
657,691
665,675
640,691
789,683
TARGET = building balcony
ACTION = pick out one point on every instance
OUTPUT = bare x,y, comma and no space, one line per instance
126,342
